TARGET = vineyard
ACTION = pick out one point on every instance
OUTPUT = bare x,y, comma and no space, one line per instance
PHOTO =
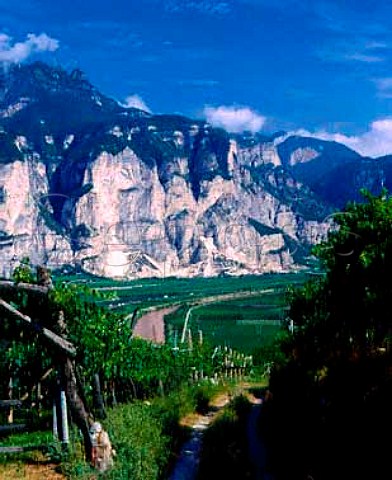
125,296
244,324
69,341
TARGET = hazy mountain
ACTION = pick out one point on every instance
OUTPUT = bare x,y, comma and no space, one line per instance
333,171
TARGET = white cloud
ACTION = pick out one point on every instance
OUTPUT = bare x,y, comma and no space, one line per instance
384,87
209,7
343,52
361,57
16,52
203,83
234,119
375,45
376,142
362,49
136,101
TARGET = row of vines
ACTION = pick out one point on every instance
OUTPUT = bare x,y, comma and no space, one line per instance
96,358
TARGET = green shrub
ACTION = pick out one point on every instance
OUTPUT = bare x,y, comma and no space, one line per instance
141,447
146,435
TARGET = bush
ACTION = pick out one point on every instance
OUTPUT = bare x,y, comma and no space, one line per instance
146,435
138,438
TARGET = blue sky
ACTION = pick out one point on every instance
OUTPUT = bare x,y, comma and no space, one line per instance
324,66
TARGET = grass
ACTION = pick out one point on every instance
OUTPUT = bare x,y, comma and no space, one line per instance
146,435
33,465
27,439
243,324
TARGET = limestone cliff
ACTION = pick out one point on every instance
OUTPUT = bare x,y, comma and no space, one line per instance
25,217
117,191
199,206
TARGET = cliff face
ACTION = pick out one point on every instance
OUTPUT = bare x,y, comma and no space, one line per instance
24,196
153,227
122,193
204,206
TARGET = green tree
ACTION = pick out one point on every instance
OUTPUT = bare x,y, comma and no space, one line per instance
336,387
344,312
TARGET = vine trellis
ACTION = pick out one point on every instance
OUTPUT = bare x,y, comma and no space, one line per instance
27,315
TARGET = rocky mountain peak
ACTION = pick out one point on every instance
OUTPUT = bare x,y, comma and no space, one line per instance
124,193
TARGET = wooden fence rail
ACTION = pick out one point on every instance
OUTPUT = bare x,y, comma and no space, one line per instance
11,403
12,428
23,449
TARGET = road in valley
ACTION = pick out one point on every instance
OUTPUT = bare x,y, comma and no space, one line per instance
151,324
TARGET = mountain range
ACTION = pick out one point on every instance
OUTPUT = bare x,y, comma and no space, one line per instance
86,183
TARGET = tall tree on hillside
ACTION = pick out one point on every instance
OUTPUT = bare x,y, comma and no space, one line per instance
344,312
335,389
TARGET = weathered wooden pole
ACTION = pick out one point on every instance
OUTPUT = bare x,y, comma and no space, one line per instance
64,353
39,398
98,397
10,416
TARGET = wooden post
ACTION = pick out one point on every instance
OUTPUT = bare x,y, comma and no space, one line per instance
113,393
175,338
161,389
98,397
154,333
10,416
39,398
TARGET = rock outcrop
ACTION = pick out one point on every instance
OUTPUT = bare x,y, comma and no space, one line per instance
119,192
199,211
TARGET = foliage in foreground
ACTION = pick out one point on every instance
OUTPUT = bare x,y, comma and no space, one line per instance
335,386
145,434
126,367
110,364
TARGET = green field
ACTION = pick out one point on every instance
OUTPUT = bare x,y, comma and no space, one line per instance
243,323
144,293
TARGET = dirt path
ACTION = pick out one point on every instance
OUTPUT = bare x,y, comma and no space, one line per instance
257,449
29,471
187,464
151,325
